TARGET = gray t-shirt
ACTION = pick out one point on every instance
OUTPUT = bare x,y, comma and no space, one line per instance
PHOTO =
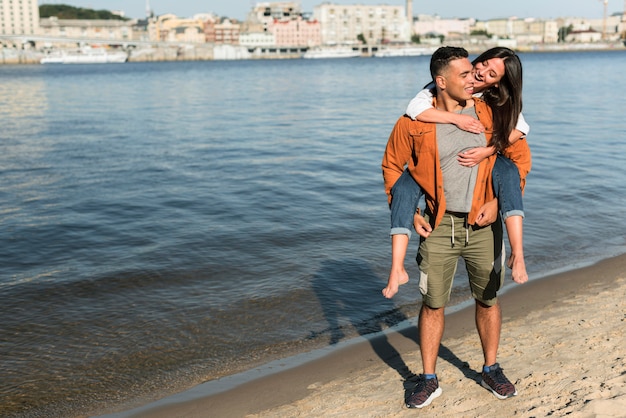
458,181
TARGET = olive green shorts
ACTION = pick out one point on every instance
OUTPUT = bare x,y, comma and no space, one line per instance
482,249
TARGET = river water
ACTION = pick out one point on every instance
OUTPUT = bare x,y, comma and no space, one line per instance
167,224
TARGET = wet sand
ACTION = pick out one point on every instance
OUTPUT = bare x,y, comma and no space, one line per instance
562,345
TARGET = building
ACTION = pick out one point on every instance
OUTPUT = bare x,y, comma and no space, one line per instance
283,22
583,36
610,28
256,39
268,12
19,17
296,32
525,31
93,29
170,28
435,25
348,24
223,31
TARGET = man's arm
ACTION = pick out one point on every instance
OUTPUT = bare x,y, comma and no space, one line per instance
488,213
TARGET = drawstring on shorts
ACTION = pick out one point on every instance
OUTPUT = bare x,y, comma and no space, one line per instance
465,225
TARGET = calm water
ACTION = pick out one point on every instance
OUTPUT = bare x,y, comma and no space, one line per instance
166,224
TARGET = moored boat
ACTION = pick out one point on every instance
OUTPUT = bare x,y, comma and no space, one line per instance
404,52
331,52
85,56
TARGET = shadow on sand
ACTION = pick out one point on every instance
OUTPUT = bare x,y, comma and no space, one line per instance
363,308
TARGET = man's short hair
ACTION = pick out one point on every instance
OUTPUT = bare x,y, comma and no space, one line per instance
441,59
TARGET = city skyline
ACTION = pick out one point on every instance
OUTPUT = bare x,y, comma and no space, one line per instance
492,9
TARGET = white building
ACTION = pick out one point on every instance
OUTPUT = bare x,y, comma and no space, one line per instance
528,30
344,24
19,17
86,28
257,39
427,24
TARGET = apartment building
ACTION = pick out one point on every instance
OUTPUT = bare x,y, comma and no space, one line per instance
296,32
224,31
345,24
284,22
19,17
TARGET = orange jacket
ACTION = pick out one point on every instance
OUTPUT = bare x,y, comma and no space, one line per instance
415,143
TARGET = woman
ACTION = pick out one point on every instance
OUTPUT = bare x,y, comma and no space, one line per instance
498,80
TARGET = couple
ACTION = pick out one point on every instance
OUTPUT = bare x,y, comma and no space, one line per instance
450,163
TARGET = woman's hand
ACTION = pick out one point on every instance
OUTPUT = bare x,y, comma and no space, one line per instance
474,156
469,124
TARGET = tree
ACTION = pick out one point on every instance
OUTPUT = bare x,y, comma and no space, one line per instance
63,11
480,32
361,38
564,31
416,39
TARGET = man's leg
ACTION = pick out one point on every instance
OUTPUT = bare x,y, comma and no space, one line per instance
489,324
437,261
431,326
484,262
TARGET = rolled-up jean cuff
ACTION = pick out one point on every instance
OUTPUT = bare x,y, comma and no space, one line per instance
512,213
400,231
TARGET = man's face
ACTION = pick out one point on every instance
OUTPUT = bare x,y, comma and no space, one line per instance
488,73
459,80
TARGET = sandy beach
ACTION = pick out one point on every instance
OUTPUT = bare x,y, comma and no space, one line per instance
562,345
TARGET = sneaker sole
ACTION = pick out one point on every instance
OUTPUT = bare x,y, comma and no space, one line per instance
434,395
496,394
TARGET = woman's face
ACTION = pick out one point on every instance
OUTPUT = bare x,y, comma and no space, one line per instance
488,73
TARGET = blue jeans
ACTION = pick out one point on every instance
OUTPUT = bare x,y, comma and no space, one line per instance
406,193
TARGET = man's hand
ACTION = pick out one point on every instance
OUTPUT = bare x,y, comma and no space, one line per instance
422,227
488,213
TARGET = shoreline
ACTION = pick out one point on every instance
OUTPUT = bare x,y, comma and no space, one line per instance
205,52
373,370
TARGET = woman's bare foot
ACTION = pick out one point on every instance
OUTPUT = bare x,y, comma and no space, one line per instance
518,268
396,279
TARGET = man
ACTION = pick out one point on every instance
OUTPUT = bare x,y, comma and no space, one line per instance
460,210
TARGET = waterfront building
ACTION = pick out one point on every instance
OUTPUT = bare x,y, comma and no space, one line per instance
19,17
296,32
268,12
525,31
435,25
284,24
347,24
583,36
222,31
171,28
94,29
256,39
609,29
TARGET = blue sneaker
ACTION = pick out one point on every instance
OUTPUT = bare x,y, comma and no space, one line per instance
424,392
497,383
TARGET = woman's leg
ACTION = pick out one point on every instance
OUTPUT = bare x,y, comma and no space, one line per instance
506,184
405,196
